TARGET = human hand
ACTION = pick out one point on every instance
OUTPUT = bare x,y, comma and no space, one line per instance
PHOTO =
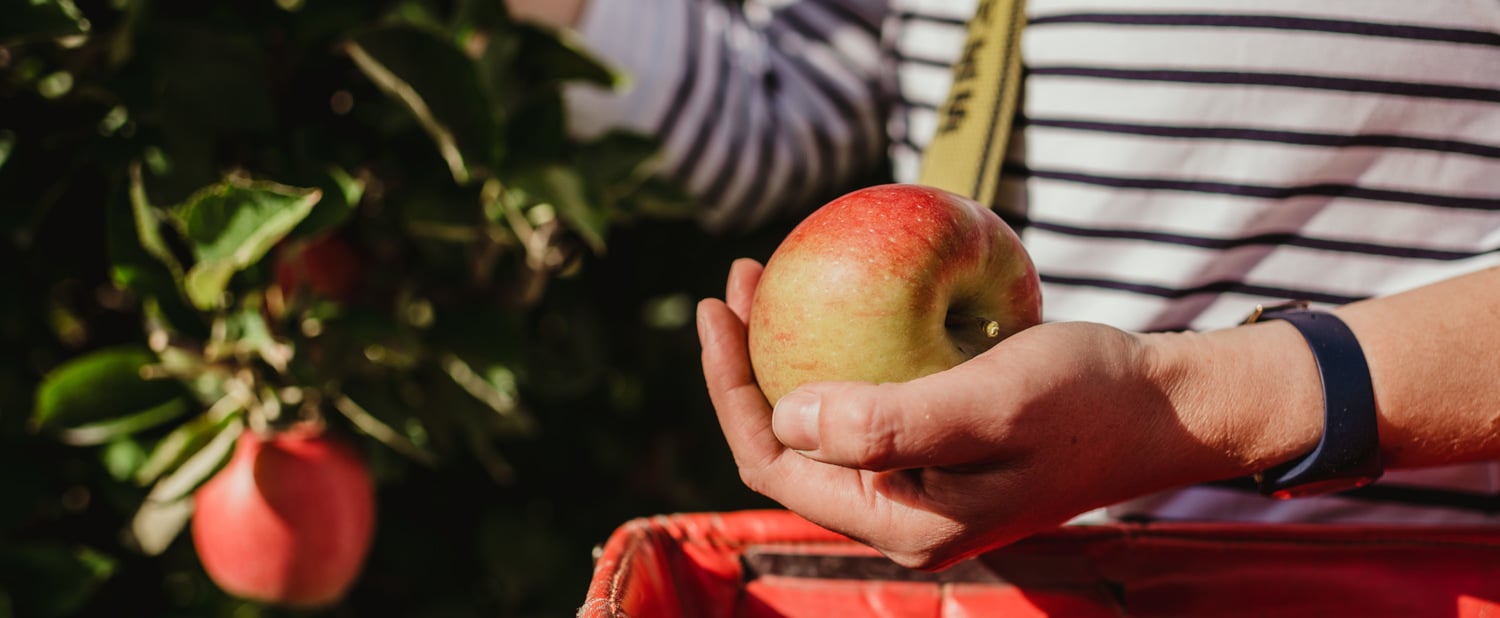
554,13
1050,423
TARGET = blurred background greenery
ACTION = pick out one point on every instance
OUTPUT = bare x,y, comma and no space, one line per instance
509,337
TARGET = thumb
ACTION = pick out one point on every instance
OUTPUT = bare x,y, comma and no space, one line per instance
922,423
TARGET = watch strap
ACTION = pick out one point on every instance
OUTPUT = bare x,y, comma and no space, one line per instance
1348,453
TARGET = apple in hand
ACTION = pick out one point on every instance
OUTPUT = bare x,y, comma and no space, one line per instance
887,284
288,520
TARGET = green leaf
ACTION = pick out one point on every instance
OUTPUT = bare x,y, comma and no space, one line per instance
442,216
141,262
564,189
248,332
168,507
350,188
103,385
341,195
156,524
483,15
231,226
427,73
197,468
47,578
618,157
561,56
148,223
35,20
661,199
182,443
106,431
538,127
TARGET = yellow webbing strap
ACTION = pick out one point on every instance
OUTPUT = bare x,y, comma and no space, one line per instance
974,123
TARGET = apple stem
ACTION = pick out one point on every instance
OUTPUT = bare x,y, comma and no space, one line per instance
990,327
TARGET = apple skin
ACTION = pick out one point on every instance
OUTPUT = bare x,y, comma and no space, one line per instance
287,521
887,284
327,267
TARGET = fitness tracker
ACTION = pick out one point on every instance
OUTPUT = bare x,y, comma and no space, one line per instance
1348,454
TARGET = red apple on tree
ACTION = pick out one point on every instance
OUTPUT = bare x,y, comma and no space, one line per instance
288,520
326,267
887,284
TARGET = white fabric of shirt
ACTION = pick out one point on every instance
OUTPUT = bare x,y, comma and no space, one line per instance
1176,162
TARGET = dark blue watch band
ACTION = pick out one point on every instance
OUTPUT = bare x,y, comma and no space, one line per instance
1348,454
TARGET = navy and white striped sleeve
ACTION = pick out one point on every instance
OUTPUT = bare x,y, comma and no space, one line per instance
763,107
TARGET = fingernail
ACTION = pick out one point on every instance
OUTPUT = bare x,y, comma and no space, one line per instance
795,420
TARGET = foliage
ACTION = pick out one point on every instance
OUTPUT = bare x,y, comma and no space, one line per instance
516,354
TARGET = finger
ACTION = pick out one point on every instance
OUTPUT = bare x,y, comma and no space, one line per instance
940,420
744,276
744,415
837,497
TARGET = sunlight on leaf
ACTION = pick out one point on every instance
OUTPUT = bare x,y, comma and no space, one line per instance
197,469
402,91
106,431
148,221
184,441
168,507
231,226
379,430
564,189
496,389
100,386
352,189
156,524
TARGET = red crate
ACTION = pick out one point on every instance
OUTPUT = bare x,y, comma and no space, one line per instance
774,563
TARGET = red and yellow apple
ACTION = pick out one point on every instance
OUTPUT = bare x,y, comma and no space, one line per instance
887,284
288,520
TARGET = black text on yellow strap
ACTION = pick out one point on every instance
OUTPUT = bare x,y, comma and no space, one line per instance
974,122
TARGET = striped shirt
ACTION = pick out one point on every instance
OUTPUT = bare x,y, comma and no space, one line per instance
1175,163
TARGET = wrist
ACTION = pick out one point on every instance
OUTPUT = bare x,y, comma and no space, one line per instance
1251,394
1347,455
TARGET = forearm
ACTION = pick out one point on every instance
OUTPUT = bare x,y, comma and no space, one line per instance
1253,392
1434,356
